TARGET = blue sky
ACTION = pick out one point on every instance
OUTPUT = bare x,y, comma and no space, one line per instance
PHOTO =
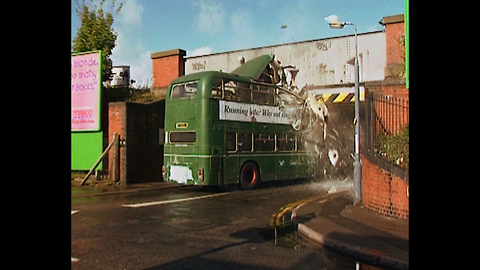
211,26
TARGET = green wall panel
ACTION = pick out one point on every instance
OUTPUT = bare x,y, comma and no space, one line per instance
86,149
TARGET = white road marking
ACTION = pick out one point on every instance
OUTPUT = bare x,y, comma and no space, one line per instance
73,258
135,205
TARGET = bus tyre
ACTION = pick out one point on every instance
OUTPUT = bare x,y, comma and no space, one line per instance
249,176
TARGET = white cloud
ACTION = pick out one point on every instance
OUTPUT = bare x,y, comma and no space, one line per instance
200,51
131,12
131,49
210,17
142,69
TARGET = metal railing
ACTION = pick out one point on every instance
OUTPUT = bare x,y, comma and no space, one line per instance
385,115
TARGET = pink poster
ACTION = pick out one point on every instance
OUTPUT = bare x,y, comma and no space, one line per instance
86,86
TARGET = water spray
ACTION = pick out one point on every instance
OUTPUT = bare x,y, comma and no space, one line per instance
310,115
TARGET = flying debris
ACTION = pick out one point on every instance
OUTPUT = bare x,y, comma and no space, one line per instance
317,107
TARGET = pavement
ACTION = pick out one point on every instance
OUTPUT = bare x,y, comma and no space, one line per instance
334,222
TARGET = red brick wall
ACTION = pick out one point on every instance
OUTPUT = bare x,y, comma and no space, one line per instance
393,32
167,66
384,192
394,29
164,70
397,90
139,126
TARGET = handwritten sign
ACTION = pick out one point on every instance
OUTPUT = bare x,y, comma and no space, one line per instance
86,80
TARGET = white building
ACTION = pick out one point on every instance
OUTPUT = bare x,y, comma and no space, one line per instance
320,62
121,76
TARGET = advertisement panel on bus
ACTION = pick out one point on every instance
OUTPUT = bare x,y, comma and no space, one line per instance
248,112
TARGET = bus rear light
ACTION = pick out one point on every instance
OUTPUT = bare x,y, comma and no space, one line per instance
200,175
164,171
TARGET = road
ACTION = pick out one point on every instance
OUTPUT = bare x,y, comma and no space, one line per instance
193,228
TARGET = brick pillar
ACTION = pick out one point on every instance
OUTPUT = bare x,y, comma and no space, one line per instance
394,29
117,122
167,66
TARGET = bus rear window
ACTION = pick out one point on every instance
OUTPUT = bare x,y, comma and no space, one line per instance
184,90
182,137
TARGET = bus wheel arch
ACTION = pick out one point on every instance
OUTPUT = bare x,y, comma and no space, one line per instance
249,176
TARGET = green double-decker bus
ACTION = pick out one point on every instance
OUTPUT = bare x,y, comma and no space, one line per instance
231,128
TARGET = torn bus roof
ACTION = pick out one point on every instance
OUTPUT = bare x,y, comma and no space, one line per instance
254,68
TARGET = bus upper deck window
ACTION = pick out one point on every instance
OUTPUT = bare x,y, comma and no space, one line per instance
263,95
237,91
184,90
217,88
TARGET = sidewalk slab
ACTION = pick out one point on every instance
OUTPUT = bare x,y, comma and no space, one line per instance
353,230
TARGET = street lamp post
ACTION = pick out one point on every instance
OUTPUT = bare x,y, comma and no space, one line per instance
357,168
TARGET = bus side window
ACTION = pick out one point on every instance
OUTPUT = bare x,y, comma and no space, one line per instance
237,91
290,143
263,95
286,142
244,142
230,88
244,92
217,88
264,142
300,146
231,141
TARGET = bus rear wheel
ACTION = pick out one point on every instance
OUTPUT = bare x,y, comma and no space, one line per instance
249,176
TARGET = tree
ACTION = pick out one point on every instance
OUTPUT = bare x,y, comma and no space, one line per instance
96,33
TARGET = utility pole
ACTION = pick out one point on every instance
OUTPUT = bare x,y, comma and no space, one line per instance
357,167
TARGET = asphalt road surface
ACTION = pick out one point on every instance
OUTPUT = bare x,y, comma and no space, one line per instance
194,228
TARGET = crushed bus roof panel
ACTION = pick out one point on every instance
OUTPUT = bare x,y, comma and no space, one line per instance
254,68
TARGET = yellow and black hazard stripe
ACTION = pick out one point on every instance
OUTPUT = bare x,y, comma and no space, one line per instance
339,97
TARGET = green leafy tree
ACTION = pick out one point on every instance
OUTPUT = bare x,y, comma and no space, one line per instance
96,33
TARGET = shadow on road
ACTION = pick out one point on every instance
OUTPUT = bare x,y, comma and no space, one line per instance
198,261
